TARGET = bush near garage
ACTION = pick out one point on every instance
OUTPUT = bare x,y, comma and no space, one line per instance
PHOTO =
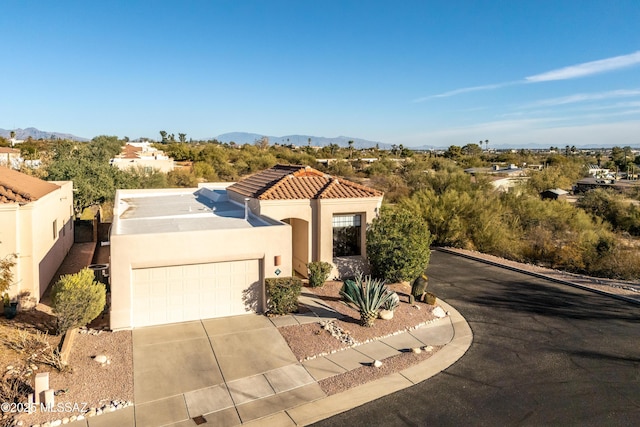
398,245
283,293
77,299
318,273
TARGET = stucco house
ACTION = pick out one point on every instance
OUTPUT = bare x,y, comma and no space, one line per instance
141,155
10,157
36,224
187,254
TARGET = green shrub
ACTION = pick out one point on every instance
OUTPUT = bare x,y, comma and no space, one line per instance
6,272
318,273
368,296
398,245
77,299
283,293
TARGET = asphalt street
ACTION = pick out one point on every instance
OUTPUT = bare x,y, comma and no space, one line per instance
542,354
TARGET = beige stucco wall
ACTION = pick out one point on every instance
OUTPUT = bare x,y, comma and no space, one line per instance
327,208
10,159
301,216
27,230
194,247
163,165
319,216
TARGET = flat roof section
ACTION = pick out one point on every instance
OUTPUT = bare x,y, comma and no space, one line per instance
192,210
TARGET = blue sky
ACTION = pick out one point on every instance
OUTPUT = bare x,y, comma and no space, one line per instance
439,73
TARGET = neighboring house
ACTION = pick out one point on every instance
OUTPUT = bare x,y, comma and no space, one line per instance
554,194
10,157
511,170
502,179
506,184
602,175
620,185
36,223
187,254
142,155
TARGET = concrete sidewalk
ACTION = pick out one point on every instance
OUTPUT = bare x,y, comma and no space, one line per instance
452,332
240,371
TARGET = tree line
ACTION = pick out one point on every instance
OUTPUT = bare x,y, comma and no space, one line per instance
597,235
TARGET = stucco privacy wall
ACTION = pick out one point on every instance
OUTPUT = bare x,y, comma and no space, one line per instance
158,249
162,165
40,233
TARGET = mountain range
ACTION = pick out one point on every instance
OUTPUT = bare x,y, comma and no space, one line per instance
39,134
300,140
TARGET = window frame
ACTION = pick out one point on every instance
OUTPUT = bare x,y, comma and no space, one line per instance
348,227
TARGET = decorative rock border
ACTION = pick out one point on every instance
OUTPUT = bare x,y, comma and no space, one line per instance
115,405
337,332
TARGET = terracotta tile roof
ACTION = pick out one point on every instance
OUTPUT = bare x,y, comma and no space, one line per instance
130,152
5,150
17,187
291,182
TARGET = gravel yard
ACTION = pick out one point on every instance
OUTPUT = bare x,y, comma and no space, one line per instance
86,384
311,340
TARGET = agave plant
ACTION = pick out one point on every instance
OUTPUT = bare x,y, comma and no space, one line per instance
366,295
392,303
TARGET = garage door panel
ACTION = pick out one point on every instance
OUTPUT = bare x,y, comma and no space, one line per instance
190,292
175,288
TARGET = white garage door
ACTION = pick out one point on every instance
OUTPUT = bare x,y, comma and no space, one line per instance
189,292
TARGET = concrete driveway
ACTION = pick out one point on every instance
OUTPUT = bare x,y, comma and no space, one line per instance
228,371
543,354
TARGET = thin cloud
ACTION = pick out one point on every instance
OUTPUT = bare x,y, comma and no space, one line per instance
587,68
537,133
466,90
584,97
566,73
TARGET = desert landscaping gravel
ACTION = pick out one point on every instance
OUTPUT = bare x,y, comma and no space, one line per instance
311,340
365,374
90,384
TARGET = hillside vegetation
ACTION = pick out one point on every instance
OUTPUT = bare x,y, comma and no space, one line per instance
597,235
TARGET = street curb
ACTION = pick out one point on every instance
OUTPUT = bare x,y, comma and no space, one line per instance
538,275
329,406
